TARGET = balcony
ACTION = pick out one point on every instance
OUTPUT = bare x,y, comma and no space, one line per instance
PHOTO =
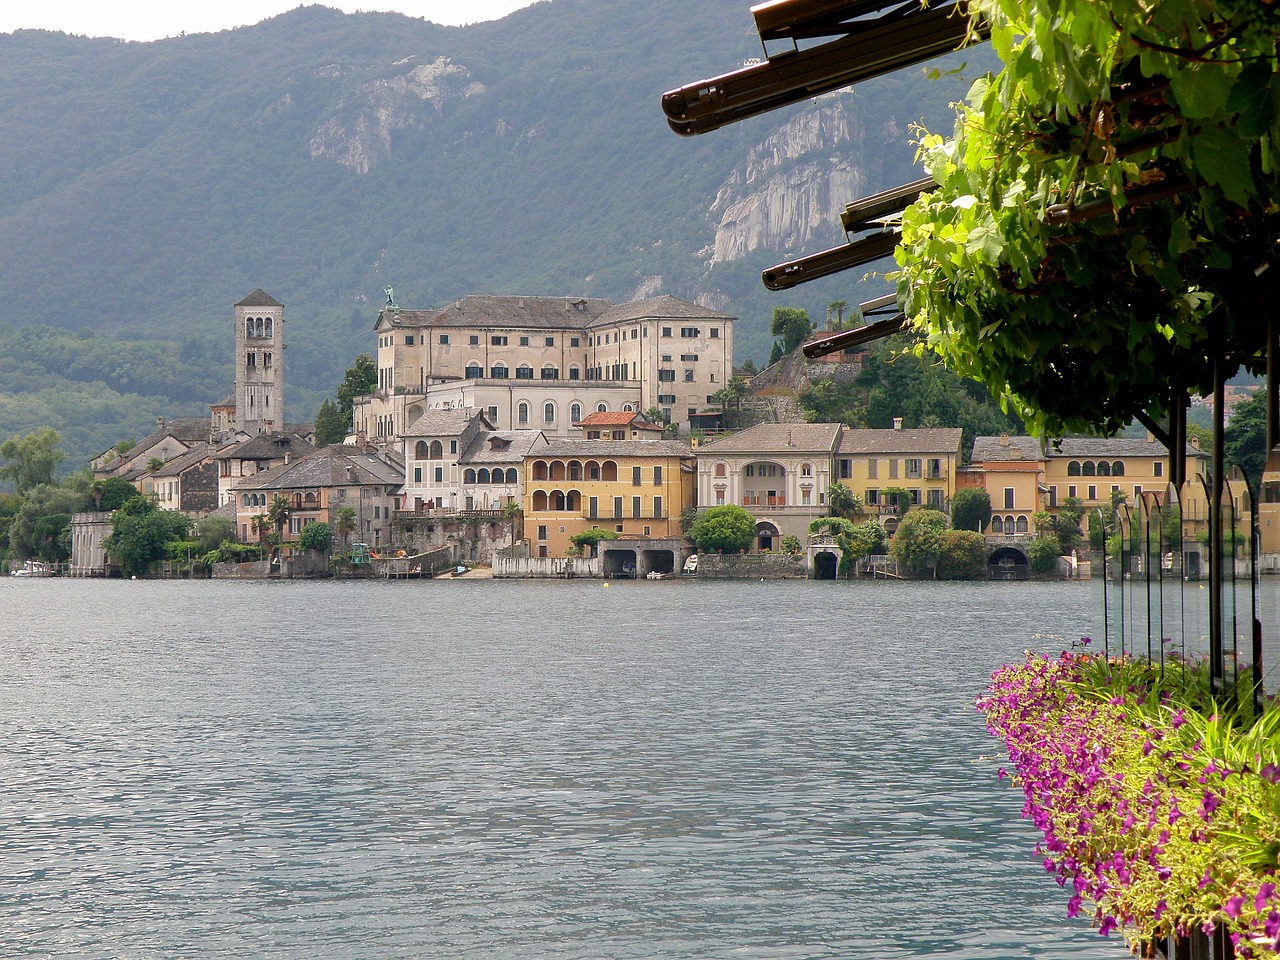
755,500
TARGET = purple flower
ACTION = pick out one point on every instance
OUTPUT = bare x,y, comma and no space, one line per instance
1178,719
1232,909
1073,906
1106,926
1263,899
1271,772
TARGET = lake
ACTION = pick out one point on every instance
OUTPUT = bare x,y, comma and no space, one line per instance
503,769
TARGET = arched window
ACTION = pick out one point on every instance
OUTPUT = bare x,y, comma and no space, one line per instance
539,501
997,524
522,413
540,470
259,324
575,412
1022,524
437,450
474,370
626,408
550,373
575,470
1073,468
1104,468
720,469
806,469
512,477
549,412
498,371
268,326
469,475
483,476
1117,469
609,472
248,326
557,470
557,500
245,500
602,408
575,372
420,450
524,372
1088,469
574,501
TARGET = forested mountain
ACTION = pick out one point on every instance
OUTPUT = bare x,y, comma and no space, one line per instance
146,187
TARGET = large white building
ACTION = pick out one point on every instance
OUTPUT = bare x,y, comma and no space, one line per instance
545,362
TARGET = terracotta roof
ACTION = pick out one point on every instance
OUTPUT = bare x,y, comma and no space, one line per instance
658,308
259,298
777,437
608,418
922,440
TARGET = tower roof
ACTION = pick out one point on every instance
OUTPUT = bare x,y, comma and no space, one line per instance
259,298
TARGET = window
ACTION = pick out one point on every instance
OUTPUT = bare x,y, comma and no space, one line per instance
542,532
522,412
1089,469
846,468
1021,524
524,341
550,373
266,360
493,415
1008,498
666,376
602,408
1093,493
497,340
688,358
934,469
666,331
806,469
251,360
635,508
657,476
913,468
806,497
997,524
872,497
575,341
720,470
551,341
453,446
436,450
248,327
1104,468
420,450
408,340
1159,469
635,476
474,371
873,469
666,358
657,508
549,412
690,333
935,499
498,371
524,372
1117,468
617,508
439,474
1053,496
1137,492
688,376
474,340
593,508
575,412
469,475
715,333
1073,468
1071,490
444,339
893,469
666,399
574,372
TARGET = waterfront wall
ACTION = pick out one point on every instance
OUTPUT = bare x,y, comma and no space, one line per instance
768,566
546,568
299,566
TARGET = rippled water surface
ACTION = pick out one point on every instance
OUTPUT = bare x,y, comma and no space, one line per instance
479,769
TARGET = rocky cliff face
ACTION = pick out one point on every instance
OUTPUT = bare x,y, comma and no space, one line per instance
359,135
792,188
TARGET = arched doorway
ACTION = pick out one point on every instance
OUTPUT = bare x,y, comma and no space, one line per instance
768,536
1007,563
825,565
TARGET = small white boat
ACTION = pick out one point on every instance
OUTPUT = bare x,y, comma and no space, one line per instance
654,575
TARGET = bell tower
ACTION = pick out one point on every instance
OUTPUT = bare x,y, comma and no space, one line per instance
259,395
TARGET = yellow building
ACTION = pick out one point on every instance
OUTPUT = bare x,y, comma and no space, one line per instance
922,463
634,488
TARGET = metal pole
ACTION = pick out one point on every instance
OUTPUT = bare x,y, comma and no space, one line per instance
1216,667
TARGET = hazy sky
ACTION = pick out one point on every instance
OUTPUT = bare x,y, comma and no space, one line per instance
153,19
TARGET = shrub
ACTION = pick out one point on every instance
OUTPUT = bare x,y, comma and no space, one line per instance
1043,554
963,555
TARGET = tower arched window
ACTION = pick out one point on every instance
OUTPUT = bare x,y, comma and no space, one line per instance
268,326
258,322
248,326
575,412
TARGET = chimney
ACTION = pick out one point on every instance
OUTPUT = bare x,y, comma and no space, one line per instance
1195,442
1004,439
1151,437
897,423
286,458
159,423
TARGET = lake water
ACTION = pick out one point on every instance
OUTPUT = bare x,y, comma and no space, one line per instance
487,769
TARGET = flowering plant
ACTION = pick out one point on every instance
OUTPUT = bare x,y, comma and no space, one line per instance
1159,807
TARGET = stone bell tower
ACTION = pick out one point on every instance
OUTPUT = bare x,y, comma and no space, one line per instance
259,395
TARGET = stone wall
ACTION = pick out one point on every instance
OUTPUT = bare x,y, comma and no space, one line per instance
751,566
476,539
298,566
547,568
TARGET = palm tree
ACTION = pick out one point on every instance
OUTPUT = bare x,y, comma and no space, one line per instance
278,513
260,525
512,511
344,522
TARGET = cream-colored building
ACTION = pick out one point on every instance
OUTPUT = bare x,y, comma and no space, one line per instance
662,352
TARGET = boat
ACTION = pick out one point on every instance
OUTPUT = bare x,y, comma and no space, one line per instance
691,565
655,575
32,568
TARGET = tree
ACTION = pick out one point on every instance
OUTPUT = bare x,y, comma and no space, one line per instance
724,529
590,539
843,501
212,532
141,533
260,525
831,527
26,531
344,523
512,512
963,555
1104,226
112,493
1043,553
331,426
278,513
791,545
316,536
1245,445
654,415
917,544
31,459
792,327
971,509
361,379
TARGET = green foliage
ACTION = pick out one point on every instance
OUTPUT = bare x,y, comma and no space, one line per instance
860,541
1043,554
1245,444
141,533
971,509
212,532
316,536
897,497
588,540
30,459
344,523
111,493
843,501
1080,322
724,529
792,327
51,536
791,545
917,544
26,533
831,526
331,427
278,514
962,555
361,379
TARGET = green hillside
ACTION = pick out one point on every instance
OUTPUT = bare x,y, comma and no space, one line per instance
146,187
